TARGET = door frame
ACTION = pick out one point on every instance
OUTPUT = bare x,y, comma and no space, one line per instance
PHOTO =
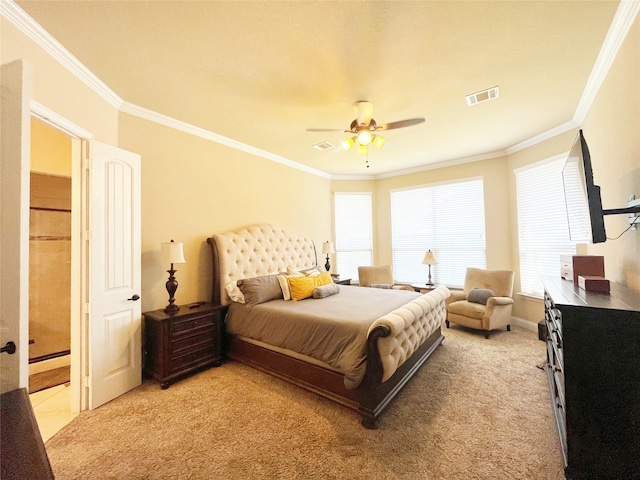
80,139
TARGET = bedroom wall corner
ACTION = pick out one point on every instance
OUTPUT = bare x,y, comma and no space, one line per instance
193,188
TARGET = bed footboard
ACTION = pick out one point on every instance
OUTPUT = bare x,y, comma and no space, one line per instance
398,344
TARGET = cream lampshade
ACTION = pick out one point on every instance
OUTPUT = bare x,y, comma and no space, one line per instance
429,259
327,248
172,252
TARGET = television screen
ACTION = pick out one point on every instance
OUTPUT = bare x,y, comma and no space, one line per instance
582,196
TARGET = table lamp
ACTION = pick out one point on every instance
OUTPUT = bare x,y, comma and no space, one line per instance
171,252
327,248
429,259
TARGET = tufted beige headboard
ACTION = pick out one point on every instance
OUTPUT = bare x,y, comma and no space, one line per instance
256,250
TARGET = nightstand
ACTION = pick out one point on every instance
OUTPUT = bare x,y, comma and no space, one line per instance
346,281
183,341
423,287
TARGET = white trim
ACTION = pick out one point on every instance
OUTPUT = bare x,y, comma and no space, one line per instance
179,125
526,324
620,25
622,21
41,37
555,131
529,166
58,122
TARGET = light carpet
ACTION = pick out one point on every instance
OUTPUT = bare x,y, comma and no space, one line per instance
478,409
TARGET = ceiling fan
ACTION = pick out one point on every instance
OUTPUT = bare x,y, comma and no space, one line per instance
363,129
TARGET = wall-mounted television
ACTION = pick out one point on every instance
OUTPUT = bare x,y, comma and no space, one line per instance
582,197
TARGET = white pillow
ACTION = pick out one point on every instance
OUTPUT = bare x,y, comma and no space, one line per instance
284,286
312,271
234,292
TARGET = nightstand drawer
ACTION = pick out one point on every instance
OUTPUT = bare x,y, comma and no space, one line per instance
192,360
183,327
192,344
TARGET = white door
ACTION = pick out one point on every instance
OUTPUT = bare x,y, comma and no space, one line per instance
15,135
114,323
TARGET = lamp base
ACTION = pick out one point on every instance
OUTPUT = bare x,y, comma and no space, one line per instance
327,265
172,307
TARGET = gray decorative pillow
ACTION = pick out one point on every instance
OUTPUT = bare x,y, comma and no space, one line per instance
380,285
325,290
479,295
260,289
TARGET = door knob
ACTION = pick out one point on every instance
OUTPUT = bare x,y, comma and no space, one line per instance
134,298
10,348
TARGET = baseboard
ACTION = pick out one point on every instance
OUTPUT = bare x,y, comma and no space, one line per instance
51,364
521,322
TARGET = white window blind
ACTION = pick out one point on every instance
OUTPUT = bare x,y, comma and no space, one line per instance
446,218
354,232
543,230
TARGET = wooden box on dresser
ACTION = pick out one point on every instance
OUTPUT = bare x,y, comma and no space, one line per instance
181,342
593,368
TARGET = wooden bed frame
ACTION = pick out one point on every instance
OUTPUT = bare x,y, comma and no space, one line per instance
369,399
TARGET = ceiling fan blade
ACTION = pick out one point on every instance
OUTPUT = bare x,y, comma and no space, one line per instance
364,112
325,130
400,124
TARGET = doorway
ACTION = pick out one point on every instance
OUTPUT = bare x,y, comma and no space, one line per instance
49,258
50,239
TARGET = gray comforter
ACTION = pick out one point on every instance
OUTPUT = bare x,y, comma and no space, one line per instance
332,329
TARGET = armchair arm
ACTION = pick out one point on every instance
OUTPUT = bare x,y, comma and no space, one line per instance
494,301
455,296
498,312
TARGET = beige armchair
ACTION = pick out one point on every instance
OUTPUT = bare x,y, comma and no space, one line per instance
494,288
383,275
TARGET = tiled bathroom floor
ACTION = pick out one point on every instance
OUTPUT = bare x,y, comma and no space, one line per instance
52,409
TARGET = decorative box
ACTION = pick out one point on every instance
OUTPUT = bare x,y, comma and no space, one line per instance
572,266
592,283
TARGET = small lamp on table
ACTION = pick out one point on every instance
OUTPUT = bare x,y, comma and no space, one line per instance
327,248
172,252
429,259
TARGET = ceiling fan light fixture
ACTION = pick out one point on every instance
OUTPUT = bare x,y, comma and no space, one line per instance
362,149
364,137
347,143
379,141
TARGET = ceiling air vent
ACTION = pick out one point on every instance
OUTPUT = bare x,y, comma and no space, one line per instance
483,96
323,146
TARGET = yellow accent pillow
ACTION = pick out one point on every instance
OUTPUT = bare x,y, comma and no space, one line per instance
302,287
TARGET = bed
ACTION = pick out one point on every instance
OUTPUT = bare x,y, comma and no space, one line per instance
357,347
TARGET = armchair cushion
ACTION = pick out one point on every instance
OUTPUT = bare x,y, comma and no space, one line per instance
479,295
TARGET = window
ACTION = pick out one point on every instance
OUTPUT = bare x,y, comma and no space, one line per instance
543,230
354,232
446,218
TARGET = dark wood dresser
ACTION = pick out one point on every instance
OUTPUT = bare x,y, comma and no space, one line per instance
181,342
593,368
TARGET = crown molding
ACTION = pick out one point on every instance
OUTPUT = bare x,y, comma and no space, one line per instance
622,22
541,137
185,127
620,25
41,37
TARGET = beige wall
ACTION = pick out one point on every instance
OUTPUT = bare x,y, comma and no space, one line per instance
612,131
57,89
50,150
193,188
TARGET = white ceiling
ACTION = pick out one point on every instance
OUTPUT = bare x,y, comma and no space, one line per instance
261,73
